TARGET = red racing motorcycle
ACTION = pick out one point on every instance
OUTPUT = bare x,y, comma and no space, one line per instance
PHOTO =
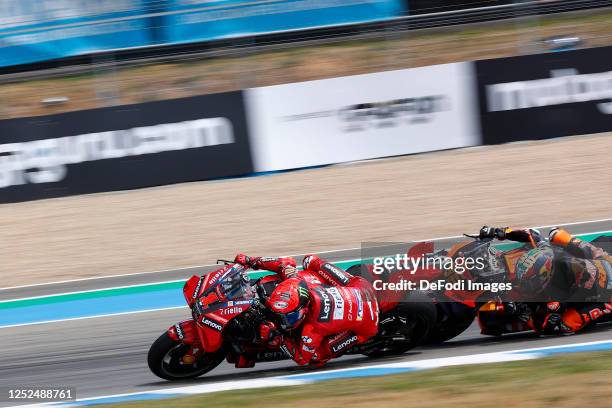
228,307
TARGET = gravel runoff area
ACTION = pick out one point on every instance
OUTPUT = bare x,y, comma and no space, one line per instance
397,199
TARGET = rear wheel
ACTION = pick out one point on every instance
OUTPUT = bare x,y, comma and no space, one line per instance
165,360
359,270
416,316
452,321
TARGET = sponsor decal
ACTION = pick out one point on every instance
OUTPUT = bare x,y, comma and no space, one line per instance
313,281
595,313
286,350
344,344
231,310
270,355
350,313
308,348
337,274
325,309
179,331
303,292
280,305
196,292
214,277
359,304
218,306
306,339
212,324
338,304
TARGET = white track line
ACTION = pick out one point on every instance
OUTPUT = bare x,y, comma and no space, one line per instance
298,255
302,378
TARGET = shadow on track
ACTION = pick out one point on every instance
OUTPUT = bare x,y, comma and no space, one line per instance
475,340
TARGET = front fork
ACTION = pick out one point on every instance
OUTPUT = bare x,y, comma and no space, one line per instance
186,332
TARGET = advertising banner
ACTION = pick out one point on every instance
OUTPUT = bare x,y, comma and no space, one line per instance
37,30
546,95
191,20
362,117
124,147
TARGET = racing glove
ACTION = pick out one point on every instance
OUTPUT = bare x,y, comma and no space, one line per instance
242,259
269,334
553,324
553,320
289,271
289,347
520,310
492,232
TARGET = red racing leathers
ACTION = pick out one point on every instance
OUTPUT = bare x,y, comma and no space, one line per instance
342,312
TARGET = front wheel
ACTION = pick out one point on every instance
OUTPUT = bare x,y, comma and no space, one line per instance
166,360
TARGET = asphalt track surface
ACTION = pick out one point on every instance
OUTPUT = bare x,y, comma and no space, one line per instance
107,355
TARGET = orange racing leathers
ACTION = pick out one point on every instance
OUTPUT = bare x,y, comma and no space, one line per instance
580,272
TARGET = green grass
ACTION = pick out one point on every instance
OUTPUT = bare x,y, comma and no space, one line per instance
556,380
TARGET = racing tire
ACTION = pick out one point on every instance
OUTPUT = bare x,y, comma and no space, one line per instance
454,326
165,355
359,270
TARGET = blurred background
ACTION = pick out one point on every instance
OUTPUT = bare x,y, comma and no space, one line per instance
69,68
158,97
66,55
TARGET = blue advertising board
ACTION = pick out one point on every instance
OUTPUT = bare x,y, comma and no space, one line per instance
203,20
39,30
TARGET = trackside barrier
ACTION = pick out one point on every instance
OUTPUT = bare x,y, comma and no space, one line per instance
307,124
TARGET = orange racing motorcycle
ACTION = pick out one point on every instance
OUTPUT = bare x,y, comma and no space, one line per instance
496,313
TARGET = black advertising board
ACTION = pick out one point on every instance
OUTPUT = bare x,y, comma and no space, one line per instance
124,147
545,95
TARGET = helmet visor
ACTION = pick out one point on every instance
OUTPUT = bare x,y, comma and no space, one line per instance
288,321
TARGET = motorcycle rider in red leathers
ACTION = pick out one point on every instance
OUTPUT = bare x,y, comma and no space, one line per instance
586,271
320,315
